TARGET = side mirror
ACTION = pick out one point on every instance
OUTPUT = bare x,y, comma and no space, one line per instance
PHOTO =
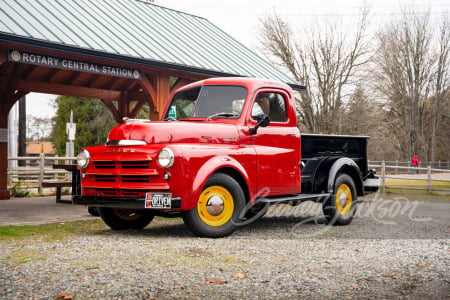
264,120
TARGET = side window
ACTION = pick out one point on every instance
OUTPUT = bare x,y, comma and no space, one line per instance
272,104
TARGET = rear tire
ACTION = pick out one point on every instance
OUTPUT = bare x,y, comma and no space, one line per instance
218,208
123,219
340,208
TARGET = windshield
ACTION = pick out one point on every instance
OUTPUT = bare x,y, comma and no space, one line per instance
208,101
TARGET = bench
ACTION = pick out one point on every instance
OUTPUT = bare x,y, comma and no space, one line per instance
58,185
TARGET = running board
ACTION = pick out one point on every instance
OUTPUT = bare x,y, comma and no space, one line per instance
298,197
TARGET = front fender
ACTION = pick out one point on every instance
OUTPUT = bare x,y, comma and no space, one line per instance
208,168
347,166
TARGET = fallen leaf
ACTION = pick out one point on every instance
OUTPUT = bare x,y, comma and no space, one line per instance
216,281
357,250
388,275
421,266
239,275
63,296
22,280
281,259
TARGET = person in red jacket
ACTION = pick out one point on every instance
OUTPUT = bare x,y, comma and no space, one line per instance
415,163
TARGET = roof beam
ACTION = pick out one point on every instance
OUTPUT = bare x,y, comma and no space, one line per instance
137,107
67,90
9,89
148,89
73,77
113,109
3,57
179,83
52,74
29,71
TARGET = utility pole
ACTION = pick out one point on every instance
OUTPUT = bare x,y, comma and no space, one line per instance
70,130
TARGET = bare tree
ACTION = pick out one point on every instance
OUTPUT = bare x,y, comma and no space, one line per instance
441,81
39,128
413,69
324,57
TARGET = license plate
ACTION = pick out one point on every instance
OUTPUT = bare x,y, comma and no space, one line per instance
158,201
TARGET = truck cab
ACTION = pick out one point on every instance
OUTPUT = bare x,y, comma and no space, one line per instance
224,150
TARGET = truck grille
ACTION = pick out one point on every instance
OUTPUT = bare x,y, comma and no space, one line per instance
105,178
143,164
119,178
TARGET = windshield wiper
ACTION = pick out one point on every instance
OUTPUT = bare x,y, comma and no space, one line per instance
222,114
169,119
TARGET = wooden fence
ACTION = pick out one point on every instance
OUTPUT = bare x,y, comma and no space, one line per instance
42,169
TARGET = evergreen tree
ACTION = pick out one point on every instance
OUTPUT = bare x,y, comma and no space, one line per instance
93,118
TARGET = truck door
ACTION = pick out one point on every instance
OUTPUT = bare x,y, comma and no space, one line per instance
277,146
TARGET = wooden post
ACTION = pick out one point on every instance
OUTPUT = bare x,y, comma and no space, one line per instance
41,172
429,179
4,193
124,106
162,91
383,177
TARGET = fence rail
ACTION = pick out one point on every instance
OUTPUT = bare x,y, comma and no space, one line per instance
443,165
41,169
412,178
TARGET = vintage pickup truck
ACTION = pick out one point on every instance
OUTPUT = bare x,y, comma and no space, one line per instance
225,149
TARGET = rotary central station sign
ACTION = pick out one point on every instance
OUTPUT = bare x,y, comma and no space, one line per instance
71,64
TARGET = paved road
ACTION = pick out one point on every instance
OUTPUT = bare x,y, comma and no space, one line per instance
40,210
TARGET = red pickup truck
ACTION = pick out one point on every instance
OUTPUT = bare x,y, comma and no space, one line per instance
225,149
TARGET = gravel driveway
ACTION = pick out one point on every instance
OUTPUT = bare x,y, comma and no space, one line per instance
393,249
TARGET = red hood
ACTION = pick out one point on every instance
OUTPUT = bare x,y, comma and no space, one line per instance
176,132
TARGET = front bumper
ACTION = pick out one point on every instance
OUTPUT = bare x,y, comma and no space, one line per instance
119,202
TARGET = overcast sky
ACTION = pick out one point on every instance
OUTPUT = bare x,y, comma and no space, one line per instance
240,19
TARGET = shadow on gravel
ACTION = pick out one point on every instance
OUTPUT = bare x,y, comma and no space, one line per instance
168,229
375,219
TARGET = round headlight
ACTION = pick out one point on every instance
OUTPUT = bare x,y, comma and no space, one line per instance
83,159
165,158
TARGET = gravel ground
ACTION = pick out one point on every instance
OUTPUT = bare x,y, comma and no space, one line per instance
393,249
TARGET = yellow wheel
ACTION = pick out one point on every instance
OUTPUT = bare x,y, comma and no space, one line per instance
340,208
344,199
215,206
218,207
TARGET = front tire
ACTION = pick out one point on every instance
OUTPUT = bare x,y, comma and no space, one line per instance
123,219
218,208
340,208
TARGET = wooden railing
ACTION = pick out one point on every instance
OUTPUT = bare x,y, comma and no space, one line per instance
41,169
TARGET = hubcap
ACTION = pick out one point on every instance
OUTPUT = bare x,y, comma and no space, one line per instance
215,206
344,199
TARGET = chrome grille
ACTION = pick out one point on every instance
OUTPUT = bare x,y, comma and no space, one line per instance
105,178
135,164
104,164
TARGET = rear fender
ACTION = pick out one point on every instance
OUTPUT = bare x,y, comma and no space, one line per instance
347,166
